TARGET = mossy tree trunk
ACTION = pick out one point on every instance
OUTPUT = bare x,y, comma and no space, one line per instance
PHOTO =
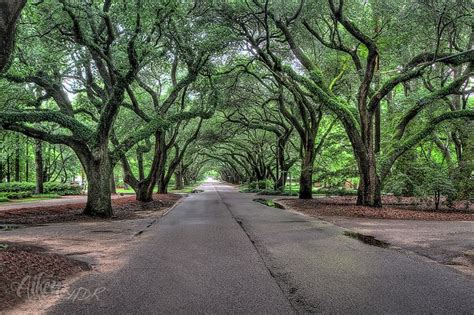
39,167
98,169
179,182
144,185
9,14
306,177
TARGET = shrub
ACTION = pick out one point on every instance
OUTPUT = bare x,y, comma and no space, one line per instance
262,184
49,188
16,195
250,190
17,187
62,189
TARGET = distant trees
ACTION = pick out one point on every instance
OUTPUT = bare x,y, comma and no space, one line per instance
24,159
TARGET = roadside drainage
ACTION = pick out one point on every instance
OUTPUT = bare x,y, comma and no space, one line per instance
367,239
269,203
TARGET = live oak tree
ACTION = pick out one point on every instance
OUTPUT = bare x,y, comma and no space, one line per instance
309,79
183,98
370,89
171,142
108,45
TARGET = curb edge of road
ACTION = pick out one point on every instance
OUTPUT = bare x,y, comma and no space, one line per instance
173,206
157,219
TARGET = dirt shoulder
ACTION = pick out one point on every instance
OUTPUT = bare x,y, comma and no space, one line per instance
48,257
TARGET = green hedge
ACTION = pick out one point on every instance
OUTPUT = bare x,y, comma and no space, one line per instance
49,187
62,189
16,195
17,187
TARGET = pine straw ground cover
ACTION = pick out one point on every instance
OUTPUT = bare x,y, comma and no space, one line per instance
30,273
124,208
404,208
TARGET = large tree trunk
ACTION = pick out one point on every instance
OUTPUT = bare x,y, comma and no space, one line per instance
281,181
144,187
9,12
162,185
306,177
186,180
144,191
17,165
281,169
178,175
141,168
179,184
306,184
98,172
27,162
161,153
8,170
113,186
369,191
39,167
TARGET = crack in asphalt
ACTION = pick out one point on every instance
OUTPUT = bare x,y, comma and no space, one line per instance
277,277
294,297
147,227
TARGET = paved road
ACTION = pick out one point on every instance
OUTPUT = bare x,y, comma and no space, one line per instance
448,242
219,252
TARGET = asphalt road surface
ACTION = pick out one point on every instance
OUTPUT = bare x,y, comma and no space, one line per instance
220,252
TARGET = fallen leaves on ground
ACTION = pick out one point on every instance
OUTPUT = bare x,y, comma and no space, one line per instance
124,208
394,208
29,272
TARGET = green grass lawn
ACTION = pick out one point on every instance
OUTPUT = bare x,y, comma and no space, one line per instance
187,189
125,191
296,188
36,198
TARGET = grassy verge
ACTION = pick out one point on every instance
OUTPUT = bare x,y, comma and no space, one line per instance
125,191
186,190
37,198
